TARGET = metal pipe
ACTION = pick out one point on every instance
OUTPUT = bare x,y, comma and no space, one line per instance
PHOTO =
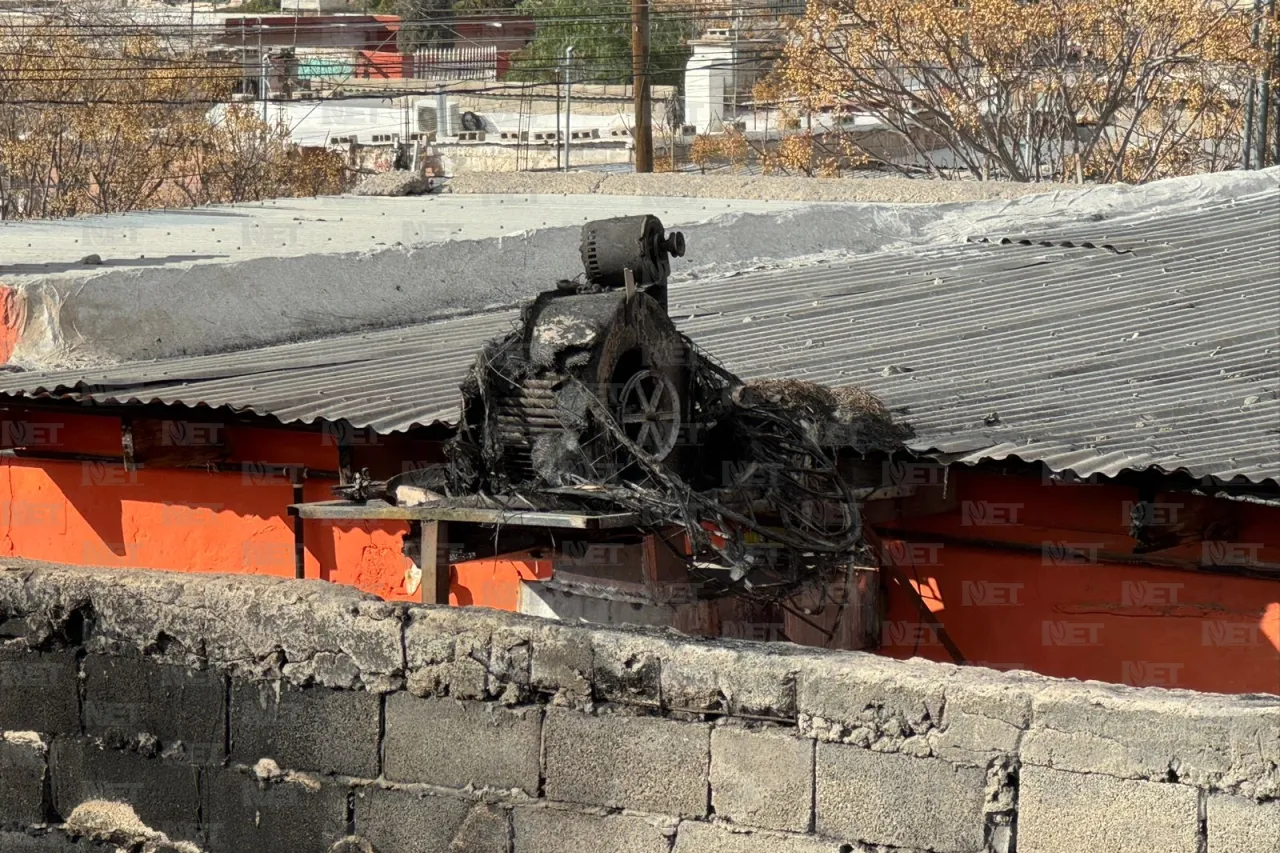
1250,105
568,103
262,73
1264,91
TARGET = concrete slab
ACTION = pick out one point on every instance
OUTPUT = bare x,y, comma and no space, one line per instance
290,227
214,279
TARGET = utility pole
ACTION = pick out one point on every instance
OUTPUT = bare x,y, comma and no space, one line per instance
640,82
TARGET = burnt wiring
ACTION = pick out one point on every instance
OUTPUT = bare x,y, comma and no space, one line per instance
580,408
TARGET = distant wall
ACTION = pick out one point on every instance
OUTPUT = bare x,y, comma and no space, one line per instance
434,729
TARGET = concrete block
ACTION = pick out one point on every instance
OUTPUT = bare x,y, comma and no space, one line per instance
762,778
456,744
628,667
986,713
1239,825
562,661
164,794
1061,812
1207,740
39,691
871,701
545,830
730,677
126,696
884,798
245,816
695,837
467,654
23,767
622,761
309,728
403,820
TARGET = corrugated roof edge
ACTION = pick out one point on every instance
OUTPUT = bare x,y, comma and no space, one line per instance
970,459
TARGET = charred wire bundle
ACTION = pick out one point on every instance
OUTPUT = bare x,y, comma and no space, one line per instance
596,402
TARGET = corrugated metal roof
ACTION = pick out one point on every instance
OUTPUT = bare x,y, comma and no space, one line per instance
1161,351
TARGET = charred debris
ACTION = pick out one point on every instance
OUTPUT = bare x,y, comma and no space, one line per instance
596,403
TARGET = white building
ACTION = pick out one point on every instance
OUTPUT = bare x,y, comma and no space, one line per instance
719,78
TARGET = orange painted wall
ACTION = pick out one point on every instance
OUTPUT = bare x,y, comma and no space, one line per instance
1044,611
193,520
1003,608
495,582
186,520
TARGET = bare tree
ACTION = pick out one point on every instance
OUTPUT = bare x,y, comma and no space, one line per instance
100,119
1028,90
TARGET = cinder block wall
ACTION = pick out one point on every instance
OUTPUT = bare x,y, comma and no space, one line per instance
249,714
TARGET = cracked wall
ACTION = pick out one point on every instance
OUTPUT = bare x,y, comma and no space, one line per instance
244,714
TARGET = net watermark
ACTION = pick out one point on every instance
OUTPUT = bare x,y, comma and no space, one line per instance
587,555
30,433
343,434
1222,633
267,556
904,634
1149,593
1141,673
899,473
269,474
764,632
1219,553
190,434
1064,633
1150,513
989,514
990,594
912,554
111,474
33,514
1054,553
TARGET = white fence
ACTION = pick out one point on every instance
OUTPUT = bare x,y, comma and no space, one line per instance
472,62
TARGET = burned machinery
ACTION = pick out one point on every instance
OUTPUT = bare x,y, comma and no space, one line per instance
596,402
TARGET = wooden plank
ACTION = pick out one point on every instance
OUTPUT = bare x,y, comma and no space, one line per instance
435,562
344,510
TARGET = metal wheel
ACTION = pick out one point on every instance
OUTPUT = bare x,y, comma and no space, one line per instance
649,411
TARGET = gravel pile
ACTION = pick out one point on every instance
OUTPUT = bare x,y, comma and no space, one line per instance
393,183
877,189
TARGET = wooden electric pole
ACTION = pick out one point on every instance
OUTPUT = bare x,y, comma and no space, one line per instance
640,82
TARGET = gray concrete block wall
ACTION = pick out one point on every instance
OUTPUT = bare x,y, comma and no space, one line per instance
899,800
1064,812
23,772
461,743
624,761
317,728
762,777
405,728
